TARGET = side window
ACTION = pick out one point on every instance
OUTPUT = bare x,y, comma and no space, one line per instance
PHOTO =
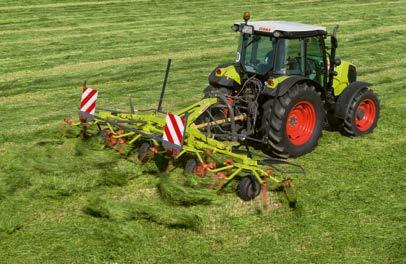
314,61
293,58
289,57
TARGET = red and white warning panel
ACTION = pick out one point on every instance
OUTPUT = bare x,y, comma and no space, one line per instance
174,132
88,103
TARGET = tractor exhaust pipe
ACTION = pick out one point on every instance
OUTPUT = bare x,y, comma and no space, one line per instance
333,63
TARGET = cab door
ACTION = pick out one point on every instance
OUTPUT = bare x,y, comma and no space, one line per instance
315,60
290,58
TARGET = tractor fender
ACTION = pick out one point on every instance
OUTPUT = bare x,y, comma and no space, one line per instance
225,75
343,101
285,85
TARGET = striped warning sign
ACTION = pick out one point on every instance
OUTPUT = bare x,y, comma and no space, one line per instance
88,103
173,132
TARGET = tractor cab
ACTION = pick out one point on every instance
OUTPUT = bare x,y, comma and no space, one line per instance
271,49
276,48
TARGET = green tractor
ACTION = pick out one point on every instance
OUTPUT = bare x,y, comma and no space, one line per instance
286,86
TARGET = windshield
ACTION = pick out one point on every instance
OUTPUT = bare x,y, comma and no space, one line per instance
256,53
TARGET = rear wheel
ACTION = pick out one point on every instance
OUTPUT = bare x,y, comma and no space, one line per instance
362,115
294,125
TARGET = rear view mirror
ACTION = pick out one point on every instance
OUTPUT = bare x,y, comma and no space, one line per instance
337,62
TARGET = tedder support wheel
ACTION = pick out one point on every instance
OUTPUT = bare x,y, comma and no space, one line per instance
144,152
362,115
190,166
295,123
248,188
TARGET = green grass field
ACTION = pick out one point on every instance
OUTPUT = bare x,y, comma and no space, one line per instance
66,201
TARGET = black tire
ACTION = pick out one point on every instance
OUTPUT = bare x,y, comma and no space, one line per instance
248,188
103,133
275,119
356,122
190,166
143,152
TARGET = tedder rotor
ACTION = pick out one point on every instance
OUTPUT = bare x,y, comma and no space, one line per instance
188,139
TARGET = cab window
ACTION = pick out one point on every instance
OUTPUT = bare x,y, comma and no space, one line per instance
315,60
256,53
290,57
291,54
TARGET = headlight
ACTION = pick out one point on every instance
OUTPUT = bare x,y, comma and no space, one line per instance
235,27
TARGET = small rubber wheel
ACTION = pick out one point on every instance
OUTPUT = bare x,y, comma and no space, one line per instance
143,152
362,115
190,166
103,133
248,188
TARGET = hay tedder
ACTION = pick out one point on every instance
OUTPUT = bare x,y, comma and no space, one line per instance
186,139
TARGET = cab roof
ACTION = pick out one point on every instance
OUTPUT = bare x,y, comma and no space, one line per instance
286,28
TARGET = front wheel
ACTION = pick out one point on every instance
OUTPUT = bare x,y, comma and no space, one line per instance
363,113
295,123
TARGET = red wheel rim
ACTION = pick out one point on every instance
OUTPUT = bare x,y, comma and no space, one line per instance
365,115
301,122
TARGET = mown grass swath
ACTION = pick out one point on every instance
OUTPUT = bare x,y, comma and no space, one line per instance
67,201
